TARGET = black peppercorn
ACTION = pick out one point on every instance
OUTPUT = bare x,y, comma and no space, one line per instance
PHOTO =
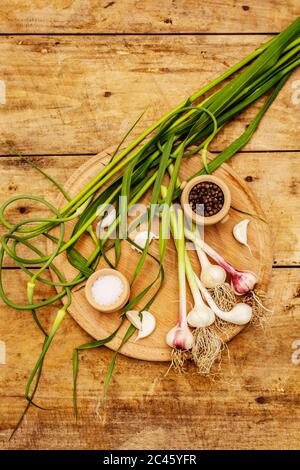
209,195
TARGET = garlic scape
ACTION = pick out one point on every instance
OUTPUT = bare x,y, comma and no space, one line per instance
180,336
201,315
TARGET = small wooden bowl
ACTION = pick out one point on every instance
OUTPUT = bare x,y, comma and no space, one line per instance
198,219
122,299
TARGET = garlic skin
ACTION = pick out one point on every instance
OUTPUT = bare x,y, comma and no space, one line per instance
243,281
201,317
240,314
240,233
148,325
180,338
213,276
141,239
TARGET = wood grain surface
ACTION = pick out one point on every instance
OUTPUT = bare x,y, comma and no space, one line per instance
253,404
81,94
146,16
68,96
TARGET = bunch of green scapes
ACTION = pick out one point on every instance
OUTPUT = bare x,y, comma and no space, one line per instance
141,166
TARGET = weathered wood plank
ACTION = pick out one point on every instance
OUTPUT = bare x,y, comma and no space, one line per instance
253,399
273,177
275,180
134,16
79,94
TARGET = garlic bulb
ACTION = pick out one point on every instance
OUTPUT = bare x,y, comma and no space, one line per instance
201,316
180,337
240,233
240,314
141,239
241,281
212,275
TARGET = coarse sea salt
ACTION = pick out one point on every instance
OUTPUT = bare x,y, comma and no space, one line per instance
107,289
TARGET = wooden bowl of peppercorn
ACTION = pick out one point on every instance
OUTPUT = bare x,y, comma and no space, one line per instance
206,200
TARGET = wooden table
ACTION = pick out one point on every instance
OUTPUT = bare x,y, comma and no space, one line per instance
74,74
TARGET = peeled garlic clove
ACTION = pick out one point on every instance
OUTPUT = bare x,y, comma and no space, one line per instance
141,239
134,318
201,317
106,221
148,325
240,232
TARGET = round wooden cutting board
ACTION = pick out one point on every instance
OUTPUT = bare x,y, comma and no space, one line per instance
165,306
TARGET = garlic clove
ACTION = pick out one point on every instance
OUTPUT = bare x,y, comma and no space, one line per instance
240,233
109,218
141,239
200,317
134,318
148,324
106,221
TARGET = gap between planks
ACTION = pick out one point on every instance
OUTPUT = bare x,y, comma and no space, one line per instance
88,154
17,268
260,33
